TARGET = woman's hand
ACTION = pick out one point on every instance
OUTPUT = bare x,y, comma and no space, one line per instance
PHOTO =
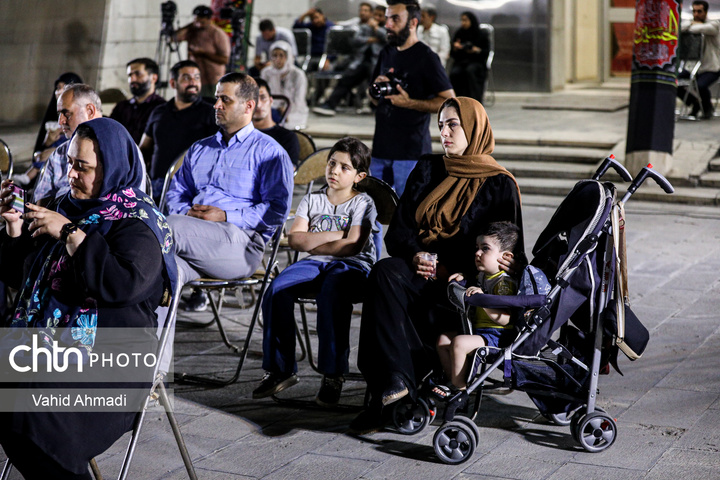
13,222
458,277
457,45
44,221
508,264
424,268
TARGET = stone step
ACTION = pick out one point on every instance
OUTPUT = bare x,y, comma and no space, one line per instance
710,179
649,191
503,153
527,139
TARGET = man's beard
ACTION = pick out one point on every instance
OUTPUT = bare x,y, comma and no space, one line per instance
188,97
140,89
399,39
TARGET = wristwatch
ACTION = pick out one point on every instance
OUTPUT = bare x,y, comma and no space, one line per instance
67,230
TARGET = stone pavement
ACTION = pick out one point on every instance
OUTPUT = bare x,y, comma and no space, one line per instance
667,405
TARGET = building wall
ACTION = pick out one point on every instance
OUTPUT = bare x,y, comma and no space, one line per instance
587,21
39,40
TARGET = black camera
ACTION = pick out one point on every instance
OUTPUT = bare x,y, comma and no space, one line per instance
380,90
168,11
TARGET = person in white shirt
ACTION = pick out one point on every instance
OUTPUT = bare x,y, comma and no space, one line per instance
436,36
709,70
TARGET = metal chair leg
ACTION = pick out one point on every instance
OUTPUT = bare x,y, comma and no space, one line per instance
95,470
165,402
6,470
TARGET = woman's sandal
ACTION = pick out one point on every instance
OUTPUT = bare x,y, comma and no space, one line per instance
441,391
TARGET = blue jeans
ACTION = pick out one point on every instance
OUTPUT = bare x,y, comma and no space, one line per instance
395,173
337,286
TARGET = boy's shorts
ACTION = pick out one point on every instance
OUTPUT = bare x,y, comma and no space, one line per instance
496,337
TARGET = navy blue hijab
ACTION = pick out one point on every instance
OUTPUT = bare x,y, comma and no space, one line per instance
119,198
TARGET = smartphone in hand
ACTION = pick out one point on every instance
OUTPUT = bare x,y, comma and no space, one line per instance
18,201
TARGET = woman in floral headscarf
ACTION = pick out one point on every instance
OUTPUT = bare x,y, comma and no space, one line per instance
447,202
100,258
284,78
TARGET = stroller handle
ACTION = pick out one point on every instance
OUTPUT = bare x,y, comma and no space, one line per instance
617,166
642,176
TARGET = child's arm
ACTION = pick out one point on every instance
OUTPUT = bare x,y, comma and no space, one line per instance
301,240
351,245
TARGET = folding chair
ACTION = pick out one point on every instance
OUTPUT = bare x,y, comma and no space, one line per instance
338,44
489,99
690,55
303,38
168,178
307,145
281,104
260,278
385,200
157,392
6,161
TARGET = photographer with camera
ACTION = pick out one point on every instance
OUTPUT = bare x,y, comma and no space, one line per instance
410,84
208,46
470,50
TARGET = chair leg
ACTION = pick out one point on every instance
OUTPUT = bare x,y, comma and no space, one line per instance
216,315
303,317
165,401
130,451
95,470
6,470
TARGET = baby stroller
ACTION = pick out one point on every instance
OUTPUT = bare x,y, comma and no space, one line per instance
581,251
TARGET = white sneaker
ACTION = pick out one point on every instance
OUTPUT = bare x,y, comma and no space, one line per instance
324,110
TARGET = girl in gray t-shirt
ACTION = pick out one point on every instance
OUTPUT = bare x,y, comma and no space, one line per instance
334,226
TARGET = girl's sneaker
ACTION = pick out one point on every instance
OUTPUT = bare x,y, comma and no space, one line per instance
330,391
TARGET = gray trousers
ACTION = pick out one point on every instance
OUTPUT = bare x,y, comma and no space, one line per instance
214,249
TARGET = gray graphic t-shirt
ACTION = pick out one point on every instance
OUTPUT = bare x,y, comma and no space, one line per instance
323,216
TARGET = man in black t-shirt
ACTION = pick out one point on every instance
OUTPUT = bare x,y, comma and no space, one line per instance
262,120
134,113
402,121
178,123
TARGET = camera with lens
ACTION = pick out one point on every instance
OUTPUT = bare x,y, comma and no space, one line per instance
380,90
168,11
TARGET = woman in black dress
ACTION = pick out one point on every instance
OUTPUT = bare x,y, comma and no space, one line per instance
447,201
470,50
100,258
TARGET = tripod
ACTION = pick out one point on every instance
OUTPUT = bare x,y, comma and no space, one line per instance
166,46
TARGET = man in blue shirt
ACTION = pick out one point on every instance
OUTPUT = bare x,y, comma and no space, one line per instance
232,191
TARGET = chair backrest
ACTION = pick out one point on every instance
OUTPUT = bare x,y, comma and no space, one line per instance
307,145
339,41
383,195
312,169
281,103
490,31
691,47
6,162
148,185
303,38
168,178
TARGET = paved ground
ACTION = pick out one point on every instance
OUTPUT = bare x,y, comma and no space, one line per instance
667,405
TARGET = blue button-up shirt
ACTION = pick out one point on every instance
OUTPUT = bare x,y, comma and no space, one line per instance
250,177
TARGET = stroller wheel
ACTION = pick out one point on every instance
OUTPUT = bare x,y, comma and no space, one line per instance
596,432
577,415
454,442
468,421
410,418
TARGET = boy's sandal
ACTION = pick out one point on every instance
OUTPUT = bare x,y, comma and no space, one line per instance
441,391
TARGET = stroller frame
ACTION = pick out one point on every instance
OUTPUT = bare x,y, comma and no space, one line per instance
456,439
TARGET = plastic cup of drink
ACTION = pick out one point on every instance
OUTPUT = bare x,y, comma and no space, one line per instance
432,258
52,126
